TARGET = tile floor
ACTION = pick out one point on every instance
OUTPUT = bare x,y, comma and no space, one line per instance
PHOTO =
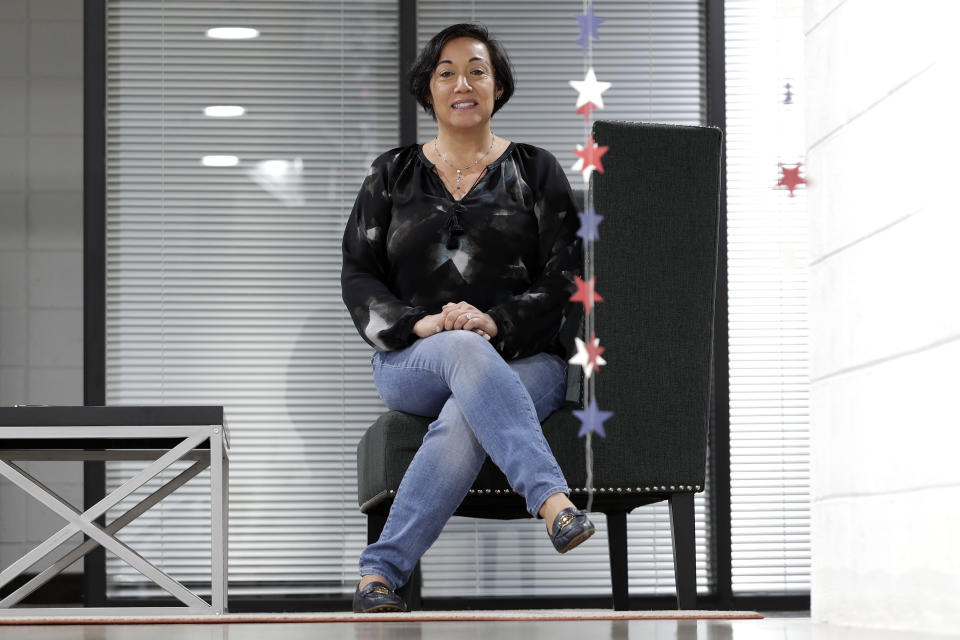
784,626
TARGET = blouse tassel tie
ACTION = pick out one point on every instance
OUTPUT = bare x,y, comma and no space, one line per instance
454,228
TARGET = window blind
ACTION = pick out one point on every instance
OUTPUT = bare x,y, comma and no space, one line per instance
653,53
222,282
768,287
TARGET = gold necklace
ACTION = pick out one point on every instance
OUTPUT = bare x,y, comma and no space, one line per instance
460,171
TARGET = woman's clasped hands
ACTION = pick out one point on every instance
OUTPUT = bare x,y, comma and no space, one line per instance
457,315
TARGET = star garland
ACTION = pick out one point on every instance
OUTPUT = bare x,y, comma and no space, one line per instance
790,178
588,354
592,419
585,293
589,223
589,158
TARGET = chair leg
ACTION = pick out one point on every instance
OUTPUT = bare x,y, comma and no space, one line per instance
375,524
682,527
410,592
617,542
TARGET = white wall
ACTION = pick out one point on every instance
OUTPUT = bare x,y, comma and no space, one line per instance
41,265
882,137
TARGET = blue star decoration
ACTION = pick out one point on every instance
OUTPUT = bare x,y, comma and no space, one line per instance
588,26
589,221
592,419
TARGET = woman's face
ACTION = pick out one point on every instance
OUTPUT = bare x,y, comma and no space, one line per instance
463,74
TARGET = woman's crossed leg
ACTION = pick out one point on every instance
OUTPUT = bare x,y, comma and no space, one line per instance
484,406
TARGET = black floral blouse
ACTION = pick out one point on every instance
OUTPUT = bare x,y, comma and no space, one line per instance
509,247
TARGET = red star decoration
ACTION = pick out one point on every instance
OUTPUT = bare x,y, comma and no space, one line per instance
591,155
594,350
791,177
586,109
586,293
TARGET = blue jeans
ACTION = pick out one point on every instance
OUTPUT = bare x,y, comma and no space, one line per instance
484,405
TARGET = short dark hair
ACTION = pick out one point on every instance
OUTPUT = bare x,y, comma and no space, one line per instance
422,69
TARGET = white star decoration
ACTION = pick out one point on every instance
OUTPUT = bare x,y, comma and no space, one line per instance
583,357
590,89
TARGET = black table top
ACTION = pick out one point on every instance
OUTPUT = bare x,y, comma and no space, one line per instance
144,416
40,417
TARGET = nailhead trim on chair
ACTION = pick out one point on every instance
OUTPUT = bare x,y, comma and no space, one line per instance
653,489
661,488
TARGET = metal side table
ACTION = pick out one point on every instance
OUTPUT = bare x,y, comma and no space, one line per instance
162,435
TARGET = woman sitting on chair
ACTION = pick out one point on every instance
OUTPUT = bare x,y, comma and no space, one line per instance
458,260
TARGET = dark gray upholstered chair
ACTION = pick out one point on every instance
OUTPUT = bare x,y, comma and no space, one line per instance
656,267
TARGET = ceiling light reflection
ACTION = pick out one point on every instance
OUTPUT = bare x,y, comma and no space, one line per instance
232,33
283,179
220,161
224,111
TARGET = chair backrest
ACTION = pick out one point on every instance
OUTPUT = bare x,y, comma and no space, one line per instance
656,268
